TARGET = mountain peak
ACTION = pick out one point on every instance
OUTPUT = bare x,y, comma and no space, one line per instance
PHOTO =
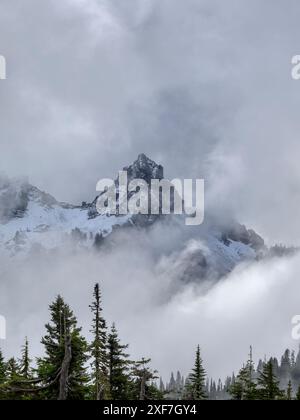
144,168
142,157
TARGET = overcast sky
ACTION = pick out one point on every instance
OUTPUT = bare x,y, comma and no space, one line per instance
203,87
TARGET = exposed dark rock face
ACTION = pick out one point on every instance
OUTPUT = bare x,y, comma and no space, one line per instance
205,252
144,168
239,233
15,196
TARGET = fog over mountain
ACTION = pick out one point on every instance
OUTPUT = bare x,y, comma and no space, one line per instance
203,88
166,285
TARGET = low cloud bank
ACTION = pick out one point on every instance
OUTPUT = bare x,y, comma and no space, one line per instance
253,305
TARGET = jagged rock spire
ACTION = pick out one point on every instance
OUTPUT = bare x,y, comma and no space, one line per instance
144,168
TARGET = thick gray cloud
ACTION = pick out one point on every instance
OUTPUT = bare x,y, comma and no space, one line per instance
254,305
204,87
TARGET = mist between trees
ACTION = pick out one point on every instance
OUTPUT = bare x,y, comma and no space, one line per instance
74,369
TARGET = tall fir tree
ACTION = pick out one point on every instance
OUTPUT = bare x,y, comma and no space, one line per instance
293,359
25,362
143,378
12,370
63,367
298,394
2,376
244,386
161,386
118,374
2,369
98,349
196,381
289,391
238,388
13,377
268,385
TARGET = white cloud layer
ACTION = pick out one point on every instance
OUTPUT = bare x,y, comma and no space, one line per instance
254,305
204,87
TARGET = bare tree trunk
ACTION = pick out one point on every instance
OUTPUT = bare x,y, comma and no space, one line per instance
143,388
100,393
65,368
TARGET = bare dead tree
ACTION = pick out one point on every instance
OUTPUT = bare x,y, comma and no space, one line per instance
65,368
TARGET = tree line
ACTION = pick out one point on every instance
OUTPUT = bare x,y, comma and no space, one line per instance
270,380
73,369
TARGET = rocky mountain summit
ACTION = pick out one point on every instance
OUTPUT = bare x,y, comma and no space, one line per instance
143,169
31,219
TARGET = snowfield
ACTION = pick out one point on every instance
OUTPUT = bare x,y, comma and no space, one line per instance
32,220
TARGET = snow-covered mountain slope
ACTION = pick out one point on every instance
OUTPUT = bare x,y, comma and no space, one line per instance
31,219
208,258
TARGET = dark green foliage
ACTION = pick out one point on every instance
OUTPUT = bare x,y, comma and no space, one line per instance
268,385
118,374
244,386
12,370
63,371
98,349
15,383
13,376
143,387
298,394
2,369
238,389
195,388
25,362
289,391
2,376
60,332
62,374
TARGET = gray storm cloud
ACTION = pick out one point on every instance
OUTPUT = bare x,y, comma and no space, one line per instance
202,87
254,305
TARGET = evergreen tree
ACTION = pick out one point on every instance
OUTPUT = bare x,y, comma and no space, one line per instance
239,385
142,382
298,394
13,377
25,362
118,374
161,386
63,367
12,370
172,383
293,359
213,390
289,391
24,386
251,387
284,373
244,386
2,377
296,370
268,384
98,348
196,381
2,369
